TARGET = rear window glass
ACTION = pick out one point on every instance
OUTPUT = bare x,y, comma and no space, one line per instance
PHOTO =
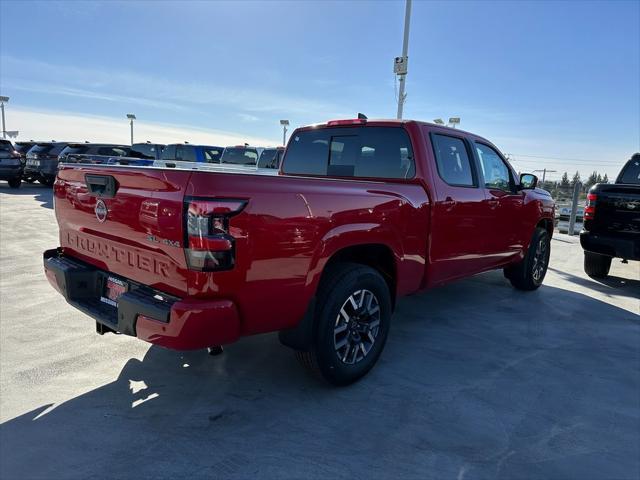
23,147
75,150
113,151
145,150
169,153
212,155
186,153
453,161
240,156
57,149
42,149
374,152
631,172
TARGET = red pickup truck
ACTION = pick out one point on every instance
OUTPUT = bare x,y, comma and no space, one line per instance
360,213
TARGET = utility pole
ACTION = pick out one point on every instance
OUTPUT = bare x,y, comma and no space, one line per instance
131,118
574,206
285,124
544,173
4,129
400,66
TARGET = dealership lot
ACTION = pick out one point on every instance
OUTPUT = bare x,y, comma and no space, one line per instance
477,380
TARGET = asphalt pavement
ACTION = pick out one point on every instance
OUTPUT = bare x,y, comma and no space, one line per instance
477,380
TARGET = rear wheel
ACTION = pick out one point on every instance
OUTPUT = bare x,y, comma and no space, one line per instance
352,323
596,265
530,272
15,182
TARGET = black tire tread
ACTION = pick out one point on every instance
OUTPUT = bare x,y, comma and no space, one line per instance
596,265
519,275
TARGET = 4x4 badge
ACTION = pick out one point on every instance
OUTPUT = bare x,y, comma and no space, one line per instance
101,211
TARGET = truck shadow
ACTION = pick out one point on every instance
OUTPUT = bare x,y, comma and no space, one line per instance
612,285
41,193
476,378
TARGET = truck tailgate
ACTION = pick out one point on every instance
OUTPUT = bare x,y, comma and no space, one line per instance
125,220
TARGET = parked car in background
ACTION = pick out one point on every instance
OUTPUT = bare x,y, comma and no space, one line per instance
360,213
612,221
271,157
241,155
185,152
92,152
563,219
42,162
11,164
23,147
147,151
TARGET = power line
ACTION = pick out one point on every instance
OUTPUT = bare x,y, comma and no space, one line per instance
555,157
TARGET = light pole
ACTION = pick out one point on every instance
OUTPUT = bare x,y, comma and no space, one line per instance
453,121
438,121
285,124
401,63
131,118
2,102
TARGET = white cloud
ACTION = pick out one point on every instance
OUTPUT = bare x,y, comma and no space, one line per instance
63,126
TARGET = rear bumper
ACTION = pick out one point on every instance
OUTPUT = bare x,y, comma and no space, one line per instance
620,246
9,172
150,315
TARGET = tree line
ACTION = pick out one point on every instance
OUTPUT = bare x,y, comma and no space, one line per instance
564,186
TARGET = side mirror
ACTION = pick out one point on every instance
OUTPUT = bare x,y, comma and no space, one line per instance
528,181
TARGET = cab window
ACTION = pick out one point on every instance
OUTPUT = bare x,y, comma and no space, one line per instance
452,160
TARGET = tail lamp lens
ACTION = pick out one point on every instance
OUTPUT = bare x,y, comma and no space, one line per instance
590,207
210,246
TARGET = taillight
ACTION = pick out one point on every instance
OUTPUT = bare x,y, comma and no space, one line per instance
590,207
210,246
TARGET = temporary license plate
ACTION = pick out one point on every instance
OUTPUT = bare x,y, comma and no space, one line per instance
112,291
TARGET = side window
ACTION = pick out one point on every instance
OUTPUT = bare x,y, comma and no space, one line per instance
385,153
453,161
495,171
169,153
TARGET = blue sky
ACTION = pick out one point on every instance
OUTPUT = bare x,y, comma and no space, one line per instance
558,80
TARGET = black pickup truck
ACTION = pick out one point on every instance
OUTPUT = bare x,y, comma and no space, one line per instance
612,221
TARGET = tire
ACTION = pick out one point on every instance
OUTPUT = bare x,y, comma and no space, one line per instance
347,345
15,182
530,272
596,265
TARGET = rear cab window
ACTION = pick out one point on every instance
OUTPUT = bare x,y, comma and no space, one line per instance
361,152
631,171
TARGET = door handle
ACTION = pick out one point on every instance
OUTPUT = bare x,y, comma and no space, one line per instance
448,204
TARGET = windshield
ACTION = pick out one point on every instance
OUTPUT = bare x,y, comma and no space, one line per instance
240,156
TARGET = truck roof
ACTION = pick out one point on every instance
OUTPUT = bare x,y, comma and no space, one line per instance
386,122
